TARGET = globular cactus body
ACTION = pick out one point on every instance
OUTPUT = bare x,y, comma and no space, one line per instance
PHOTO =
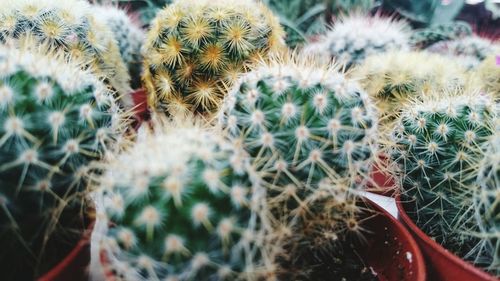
197,48
185,206
423,38
438,148
54,120
352,39
129,37
70,27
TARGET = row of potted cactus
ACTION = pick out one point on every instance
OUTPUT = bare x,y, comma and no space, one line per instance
254,161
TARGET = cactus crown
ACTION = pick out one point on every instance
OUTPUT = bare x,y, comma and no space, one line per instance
352,39
69,26
310,133
129,37
438,144
488,74
188,213
195,48
54,120
395,78
487,206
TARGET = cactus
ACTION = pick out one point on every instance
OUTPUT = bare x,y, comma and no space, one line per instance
427,12
129,37
69,26
352,39
425,37
438,143
470,50
310,132
487,206
55,119
393,79
488,74
188,213
196,48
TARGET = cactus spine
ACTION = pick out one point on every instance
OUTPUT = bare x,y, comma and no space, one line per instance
188,213
197,48
68,26
55,119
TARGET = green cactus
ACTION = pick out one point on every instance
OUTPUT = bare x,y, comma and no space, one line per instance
470,50
427,12
437,146
55,119
396,78
487,206
69,26
129,37
196,48
188,213
354,38
310,133
425,37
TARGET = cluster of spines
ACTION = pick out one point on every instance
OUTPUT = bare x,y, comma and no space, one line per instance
189,213
56,120
70,27
437,145
352,39
195,49
310,132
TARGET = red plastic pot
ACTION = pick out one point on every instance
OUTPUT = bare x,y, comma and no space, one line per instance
442,264
74,266
391,251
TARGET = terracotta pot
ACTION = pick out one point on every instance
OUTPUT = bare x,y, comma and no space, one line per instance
442,264
391,251
74,266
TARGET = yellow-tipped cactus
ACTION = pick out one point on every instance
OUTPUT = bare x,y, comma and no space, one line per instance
68,26
488,73
197,48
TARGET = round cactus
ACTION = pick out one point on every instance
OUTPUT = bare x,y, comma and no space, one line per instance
188,213
488,74
310,132
129,37
196,48
487,206
352,39
55,119
423,38
69,26
393,79
470,50
438,148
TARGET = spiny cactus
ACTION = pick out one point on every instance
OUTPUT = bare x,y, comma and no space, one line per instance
186,206
54,120
69,26
352,39
438,149
423,38
129,37
470,50
487,206
196,48
393,79
488,74
310,132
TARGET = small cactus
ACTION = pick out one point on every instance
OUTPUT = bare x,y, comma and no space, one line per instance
129,37
437,147
393,79
423,38
470,50
196,48
69,26
186,206
487,207
352,39
55,119
488,75
310,133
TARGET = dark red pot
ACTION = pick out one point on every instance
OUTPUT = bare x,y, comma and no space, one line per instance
141,111
391,250
74,266
442,264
